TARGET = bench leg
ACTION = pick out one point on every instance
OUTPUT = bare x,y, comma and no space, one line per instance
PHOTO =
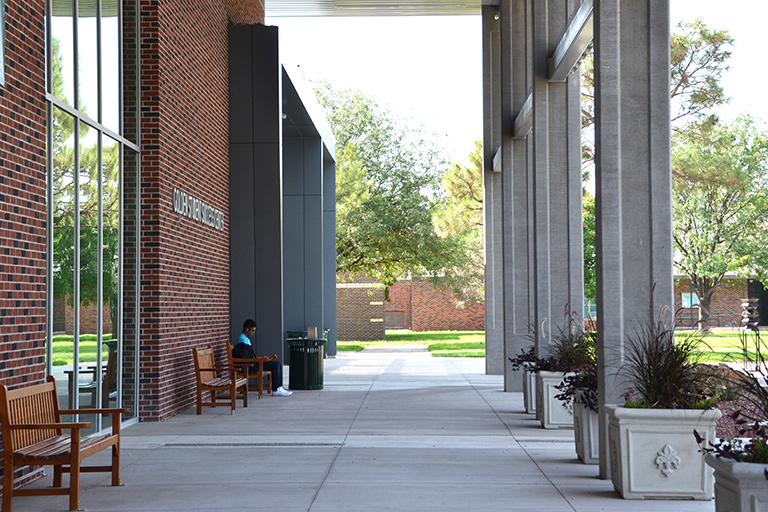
116,464
57,472
74,486
8,484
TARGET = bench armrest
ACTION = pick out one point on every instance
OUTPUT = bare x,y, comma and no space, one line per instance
243,360
94,411
47,426
218,367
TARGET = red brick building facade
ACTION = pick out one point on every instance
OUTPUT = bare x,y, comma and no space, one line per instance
364,314
416,304
725,310
23,195
183,134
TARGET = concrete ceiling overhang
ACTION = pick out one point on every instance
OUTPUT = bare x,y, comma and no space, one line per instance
279,8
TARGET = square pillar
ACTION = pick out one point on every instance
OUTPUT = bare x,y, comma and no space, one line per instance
633,182
255,184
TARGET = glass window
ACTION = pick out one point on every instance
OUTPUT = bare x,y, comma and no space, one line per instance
94,207
88,59
63,50
689,300
63,282
110,67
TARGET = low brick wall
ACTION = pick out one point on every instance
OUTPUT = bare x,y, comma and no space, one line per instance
360,311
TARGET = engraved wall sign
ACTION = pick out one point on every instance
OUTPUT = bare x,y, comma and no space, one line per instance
191,207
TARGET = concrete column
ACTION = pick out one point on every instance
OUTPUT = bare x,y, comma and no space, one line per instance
494,279
255,127
542,48
517,184
558,240
633,181
511,84
304,243
329,251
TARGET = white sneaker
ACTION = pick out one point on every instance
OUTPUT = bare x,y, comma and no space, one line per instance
281,392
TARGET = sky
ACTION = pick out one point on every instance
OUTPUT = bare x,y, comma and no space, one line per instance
428,70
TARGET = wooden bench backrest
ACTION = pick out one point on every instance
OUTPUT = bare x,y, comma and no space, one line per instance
31,404
110,375
204,359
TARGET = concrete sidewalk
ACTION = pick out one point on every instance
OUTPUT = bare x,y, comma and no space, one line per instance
390,431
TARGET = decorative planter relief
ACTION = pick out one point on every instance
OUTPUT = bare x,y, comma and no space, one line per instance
655,455
529,391
739,486
550,411
586,435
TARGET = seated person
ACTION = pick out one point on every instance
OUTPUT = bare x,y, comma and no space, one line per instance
244,350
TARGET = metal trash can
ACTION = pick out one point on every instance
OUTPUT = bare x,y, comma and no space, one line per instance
306,363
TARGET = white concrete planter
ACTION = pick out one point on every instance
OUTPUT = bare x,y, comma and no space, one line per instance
739,486
529,391
586,433
551,412
655,455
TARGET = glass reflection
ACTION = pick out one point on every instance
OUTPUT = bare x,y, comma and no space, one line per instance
110,217
89,369
87,59
63,50
63,218
130,73
110,66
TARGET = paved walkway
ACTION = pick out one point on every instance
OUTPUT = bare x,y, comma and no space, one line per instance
389,432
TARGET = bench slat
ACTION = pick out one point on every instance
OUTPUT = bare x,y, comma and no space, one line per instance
58,446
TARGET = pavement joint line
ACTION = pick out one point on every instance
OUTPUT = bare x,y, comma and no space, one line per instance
238,445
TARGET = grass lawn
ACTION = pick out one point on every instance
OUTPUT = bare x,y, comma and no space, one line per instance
725,346
719,346
439,343
63,346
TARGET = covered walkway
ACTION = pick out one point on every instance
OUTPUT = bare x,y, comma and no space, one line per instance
390,431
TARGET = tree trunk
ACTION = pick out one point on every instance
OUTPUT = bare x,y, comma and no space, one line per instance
705,300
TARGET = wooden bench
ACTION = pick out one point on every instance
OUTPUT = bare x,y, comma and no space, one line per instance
245,367
215,379
33,435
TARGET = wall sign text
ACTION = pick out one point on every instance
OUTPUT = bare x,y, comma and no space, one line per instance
188,206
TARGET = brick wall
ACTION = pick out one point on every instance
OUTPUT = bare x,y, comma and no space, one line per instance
360,311
412,304
23,195
725,307
399,306
23,198
185,264
432,309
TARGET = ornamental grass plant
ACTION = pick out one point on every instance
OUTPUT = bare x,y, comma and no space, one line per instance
571,348
663,370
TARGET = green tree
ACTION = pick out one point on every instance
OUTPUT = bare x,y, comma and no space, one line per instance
388,180
699,57
720,175
461,219
590,258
